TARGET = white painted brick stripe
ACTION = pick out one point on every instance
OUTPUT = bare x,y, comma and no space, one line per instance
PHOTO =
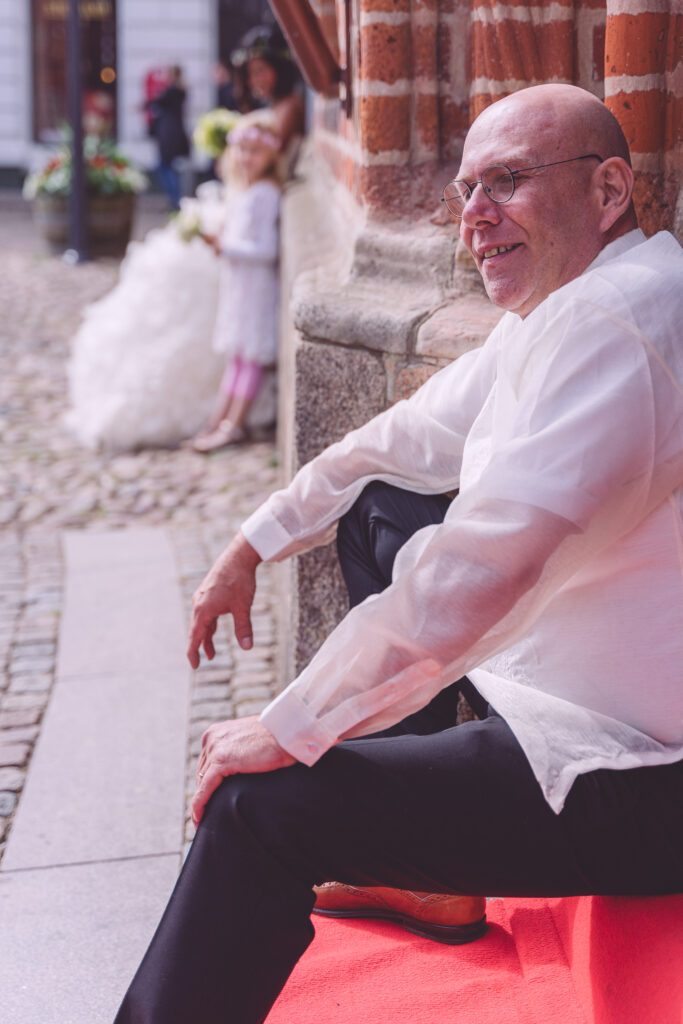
670,162
371,87
387,158
364,158
499,87
383,18
645,7
668,81
419,16
402,87
345,146
535,15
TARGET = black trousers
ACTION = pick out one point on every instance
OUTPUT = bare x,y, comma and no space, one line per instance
425,806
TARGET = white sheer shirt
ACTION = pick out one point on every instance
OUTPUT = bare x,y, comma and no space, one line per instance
556,579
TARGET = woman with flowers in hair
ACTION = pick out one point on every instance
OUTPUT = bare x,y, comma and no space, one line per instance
270,78
246,327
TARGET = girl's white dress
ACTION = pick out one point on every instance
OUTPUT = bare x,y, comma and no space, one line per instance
144,370
247,317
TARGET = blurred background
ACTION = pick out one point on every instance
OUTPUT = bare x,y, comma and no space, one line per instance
127,47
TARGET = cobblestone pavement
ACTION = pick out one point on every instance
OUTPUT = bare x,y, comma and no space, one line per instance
48,483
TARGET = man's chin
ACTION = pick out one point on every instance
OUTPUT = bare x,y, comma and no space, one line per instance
504,296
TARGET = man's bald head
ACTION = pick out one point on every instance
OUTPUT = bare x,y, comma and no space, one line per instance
564,115
570,191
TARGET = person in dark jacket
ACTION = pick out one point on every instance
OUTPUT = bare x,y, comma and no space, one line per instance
168,129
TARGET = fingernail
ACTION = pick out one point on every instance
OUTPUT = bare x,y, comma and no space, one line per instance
245,643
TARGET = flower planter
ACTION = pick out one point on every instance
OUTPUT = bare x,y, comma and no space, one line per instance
109,222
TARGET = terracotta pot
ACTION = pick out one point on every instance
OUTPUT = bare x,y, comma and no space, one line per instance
109,221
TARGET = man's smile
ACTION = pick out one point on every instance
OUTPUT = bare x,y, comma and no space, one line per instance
494,251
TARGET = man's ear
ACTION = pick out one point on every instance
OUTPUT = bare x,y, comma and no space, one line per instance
614,182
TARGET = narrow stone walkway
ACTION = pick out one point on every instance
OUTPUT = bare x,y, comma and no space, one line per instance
48,485
98,837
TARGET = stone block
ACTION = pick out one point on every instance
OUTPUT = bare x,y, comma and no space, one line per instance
19,717
409,379
13,754
320,603
8,802
457,328
30,683
337,390
362,317
21,701
12,779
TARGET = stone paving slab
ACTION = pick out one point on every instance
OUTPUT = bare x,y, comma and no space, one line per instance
136,547
107,776
72,937
122,607
108,773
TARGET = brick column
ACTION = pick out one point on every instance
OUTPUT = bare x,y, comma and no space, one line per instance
519,44
410,113
644,89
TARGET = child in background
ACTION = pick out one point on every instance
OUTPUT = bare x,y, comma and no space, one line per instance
248,307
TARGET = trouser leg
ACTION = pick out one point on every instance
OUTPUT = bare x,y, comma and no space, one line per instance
169,179
454,811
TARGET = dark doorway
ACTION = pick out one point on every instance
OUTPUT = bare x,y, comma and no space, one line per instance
98,28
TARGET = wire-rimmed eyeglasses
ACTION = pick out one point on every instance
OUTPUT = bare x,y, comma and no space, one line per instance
498,183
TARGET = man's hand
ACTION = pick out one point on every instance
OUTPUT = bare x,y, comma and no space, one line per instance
228,588
242,746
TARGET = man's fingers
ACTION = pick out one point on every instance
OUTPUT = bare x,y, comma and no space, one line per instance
209,648
206,787
195,640
243,628
201,634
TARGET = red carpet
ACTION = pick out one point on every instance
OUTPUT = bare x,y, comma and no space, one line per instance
587,960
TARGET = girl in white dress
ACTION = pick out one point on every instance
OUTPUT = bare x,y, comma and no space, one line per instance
246,329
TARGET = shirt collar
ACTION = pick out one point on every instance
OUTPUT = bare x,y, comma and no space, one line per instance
616,248
611,251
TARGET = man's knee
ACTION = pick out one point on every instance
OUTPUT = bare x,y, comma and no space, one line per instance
274,807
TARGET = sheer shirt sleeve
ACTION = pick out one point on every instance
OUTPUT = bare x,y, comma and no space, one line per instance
416,444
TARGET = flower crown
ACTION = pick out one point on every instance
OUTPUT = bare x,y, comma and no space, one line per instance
254,133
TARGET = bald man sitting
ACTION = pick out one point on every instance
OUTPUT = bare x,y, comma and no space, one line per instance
551,587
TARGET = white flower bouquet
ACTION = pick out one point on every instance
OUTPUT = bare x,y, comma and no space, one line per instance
212,130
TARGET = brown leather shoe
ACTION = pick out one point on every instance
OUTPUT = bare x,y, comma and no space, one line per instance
451,919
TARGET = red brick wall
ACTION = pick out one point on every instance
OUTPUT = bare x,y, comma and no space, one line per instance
644,89
424,68
519,44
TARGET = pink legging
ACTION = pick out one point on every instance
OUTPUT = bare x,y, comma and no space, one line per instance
242,378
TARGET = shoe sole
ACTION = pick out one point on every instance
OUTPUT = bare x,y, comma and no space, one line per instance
450,934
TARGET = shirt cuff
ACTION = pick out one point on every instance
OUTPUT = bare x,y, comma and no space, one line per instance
296,729
265,534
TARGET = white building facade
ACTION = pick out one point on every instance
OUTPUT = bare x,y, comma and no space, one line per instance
123,41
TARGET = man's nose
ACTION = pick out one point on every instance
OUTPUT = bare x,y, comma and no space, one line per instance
480,207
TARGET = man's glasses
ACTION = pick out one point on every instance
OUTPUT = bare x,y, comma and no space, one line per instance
498,183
